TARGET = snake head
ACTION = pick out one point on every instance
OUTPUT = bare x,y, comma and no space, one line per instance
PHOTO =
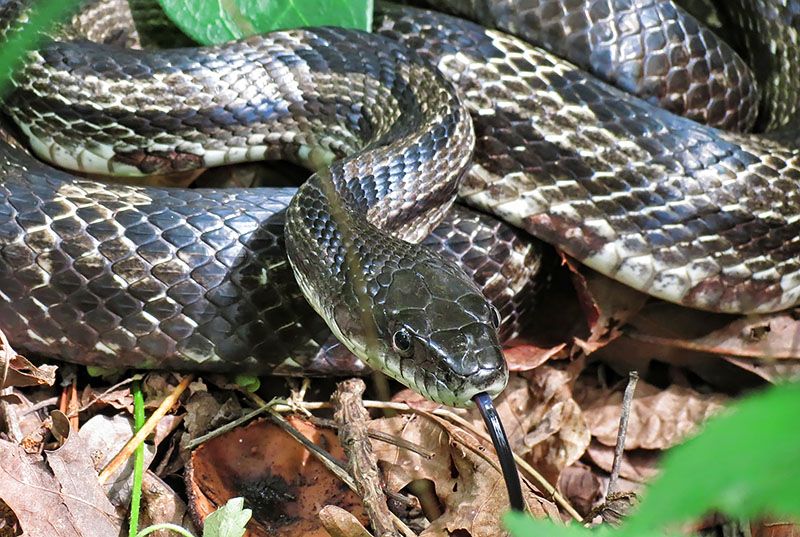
437,333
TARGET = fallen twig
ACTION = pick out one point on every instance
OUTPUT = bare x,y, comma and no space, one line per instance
128,449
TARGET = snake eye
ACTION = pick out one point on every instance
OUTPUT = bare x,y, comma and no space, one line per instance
495,317
401,341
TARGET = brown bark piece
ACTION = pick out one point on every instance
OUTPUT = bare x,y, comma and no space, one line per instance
362,465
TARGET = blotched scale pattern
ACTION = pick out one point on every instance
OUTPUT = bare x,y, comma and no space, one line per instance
650,48
670,207
771,39
123,276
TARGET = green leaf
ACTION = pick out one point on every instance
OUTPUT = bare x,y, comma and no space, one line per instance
520,524
227,521
745,463
248,382
217,21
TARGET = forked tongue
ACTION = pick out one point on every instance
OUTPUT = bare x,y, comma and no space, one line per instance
503,449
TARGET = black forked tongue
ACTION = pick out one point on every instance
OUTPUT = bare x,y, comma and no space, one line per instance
503,449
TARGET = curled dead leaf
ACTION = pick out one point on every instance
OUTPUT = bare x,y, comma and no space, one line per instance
581,486
768,336
57,493
16,370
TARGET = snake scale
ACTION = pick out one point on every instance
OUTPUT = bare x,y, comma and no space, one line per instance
165,278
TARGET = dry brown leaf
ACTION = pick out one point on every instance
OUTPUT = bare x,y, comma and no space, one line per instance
58,494
16,370
340,523
769,369
608,304
543,422
471,488
104,437
120,399
160,504
638,465
556,434
204,413
581,486
659,418
771,335
527,357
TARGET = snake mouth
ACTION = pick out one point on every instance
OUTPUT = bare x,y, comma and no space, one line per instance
485,381
489,381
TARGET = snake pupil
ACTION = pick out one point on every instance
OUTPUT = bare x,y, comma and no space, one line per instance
401,340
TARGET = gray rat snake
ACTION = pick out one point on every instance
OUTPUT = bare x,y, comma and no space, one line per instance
166,278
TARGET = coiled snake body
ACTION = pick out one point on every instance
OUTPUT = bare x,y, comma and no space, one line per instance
678,210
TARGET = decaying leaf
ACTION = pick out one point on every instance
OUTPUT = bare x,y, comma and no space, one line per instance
555,433
204,413
120,398
281,482
56,494
581,486
543,422
340,523
160,504
659,418
768,369
608,304
769,336
527,357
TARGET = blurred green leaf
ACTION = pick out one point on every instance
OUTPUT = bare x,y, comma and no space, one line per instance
217,21
248,382
745,463
12,50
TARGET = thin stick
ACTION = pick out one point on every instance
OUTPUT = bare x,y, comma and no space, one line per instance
624,416
391,439
143,433
227,427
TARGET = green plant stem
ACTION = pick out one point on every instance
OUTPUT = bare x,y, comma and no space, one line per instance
138,460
